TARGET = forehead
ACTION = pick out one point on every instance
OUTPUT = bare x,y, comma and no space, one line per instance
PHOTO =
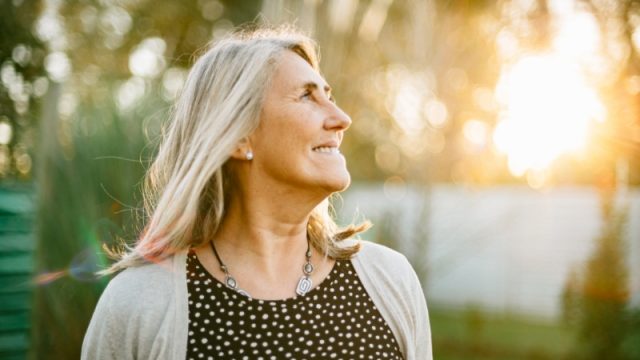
292,72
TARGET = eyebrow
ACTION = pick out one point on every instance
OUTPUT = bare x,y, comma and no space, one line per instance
313,86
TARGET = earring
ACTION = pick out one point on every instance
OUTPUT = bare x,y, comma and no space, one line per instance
249,155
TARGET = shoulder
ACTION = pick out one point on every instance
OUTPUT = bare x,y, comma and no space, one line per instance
132,309
377,256
140,277
141,286
394,287
379,251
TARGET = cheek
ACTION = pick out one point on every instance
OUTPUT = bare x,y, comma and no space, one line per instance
286,134
292,131
282,139
281,149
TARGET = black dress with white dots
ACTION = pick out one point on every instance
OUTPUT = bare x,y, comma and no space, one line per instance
335,320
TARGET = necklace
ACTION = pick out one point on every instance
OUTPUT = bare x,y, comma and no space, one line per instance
304,284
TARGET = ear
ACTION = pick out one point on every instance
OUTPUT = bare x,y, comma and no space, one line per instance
242,149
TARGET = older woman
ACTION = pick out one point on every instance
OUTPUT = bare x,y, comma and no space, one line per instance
240,258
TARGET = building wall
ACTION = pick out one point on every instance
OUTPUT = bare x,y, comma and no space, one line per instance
506,249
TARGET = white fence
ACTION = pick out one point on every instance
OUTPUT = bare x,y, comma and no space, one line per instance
502,248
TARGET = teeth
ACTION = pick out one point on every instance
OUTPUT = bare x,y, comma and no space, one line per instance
327,149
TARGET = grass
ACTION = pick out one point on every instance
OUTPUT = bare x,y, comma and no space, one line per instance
472,334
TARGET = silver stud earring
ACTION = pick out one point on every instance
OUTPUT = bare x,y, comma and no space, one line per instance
249,155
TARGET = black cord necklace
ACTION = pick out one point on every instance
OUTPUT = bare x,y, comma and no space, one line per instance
304,284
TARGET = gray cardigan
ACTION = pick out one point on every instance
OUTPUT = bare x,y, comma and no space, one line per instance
143,312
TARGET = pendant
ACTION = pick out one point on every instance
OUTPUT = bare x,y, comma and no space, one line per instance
304,285
307,269
231,282
242,292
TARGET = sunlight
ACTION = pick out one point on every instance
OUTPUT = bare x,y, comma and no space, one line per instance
578,36
547,110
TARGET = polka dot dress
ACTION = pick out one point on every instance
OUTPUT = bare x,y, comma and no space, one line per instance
335,320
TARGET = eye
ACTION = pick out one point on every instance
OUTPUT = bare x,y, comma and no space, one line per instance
306,94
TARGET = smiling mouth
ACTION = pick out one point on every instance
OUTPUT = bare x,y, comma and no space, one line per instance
327,150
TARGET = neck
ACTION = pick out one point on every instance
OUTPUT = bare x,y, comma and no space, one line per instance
261,235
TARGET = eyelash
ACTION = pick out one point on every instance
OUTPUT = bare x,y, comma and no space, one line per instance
309,93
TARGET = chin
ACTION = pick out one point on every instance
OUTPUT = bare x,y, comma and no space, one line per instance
339,184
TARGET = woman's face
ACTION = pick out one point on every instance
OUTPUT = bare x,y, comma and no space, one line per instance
300,130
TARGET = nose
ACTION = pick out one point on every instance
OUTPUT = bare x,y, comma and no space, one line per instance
336,119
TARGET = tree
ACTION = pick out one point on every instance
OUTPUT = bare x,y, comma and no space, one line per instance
23,81
597,304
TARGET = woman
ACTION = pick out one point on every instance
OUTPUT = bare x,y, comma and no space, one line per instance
240,258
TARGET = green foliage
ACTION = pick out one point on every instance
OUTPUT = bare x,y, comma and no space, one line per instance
21,64
88,198
185,26
631,343
605,293
597,303
570,299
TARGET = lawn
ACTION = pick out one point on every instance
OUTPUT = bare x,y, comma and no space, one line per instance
471,334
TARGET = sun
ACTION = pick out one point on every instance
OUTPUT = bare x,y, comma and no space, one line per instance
547,110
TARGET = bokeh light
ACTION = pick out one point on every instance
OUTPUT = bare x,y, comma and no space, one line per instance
147,59
5,132
58,66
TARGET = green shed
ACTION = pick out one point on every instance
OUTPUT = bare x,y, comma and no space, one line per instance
17,242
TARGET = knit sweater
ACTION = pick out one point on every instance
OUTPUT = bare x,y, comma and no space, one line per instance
143,312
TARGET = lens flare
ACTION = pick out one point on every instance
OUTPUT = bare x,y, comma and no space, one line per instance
49,277
82,267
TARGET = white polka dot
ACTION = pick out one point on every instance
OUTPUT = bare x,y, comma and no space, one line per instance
322,321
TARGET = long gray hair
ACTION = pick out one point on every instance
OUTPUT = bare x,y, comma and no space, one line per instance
186,187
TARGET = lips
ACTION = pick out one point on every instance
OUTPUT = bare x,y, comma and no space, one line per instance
330,147
326,149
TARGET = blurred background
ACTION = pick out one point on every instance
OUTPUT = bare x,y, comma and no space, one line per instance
495,143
